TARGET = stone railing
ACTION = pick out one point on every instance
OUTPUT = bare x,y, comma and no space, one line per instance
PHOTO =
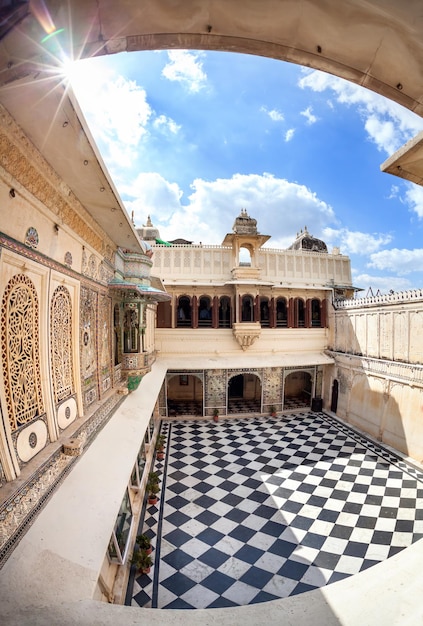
411,372
412,295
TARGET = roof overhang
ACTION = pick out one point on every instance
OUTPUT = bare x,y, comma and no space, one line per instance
246,360
407,162
140,292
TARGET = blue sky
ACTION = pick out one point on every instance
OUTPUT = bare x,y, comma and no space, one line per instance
191,138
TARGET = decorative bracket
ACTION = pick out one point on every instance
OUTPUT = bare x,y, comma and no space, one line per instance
246,333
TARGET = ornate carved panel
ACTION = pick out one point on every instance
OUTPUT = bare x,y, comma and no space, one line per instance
61,344
20,351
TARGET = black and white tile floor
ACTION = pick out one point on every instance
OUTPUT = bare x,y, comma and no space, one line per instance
263,508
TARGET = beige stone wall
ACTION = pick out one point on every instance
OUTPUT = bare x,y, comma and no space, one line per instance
179,264
385,327
377,346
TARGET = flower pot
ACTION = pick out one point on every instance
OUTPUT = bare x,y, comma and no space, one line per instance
215,418
152,499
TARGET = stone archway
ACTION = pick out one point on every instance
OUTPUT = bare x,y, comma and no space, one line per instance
244,393
184,395
376,44
298,387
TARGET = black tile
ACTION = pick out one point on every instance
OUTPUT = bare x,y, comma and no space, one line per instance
242,533
256,577
232,499
177,518
355,548
302,522
282,548
326,560
205,502
214,558
364,521
273,528
313,540
177,559
293,570
291,507
218,582
263,596
221,603
210,536
341,532
178,502
207,517
404,526
177,537
178,583
236,515
265,511
249,554
382,537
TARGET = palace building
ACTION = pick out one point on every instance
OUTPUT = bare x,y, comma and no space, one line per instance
108,333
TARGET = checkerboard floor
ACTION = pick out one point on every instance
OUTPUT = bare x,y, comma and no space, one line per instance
256,509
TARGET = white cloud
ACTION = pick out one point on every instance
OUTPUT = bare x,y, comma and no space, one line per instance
152,195
355,242
383,283
289,134
166,123
308,114
388,124
186,67
280,207
116,109
414,197
275,116
400,261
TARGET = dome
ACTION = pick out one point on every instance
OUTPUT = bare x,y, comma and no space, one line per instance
148,232
305,241
244,224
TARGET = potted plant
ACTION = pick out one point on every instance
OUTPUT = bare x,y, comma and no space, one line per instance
144,543
272,410
153,487
142,561
160,442
215,415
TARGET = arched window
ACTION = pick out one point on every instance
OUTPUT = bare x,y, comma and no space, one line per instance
264,312
225,312
131,328
281,312
204,312
299,313
247,309
61,344
183,313
20,352
244,257
316,317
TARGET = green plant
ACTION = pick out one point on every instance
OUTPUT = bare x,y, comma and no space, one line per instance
142,560
153,483
144,542
215,412
160,442
272,409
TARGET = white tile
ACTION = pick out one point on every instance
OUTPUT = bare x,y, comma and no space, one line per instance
199,597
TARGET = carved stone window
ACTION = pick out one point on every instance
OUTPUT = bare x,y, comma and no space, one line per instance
20,351
61,344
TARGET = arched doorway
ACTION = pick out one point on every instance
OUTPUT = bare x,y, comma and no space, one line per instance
184,395
298,387
244,393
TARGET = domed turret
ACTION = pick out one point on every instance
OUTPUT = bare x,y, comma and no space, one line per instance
244,224
305,241
148,232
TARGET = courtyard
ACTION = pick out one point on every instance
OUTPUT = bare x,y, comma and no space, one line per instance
260,508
